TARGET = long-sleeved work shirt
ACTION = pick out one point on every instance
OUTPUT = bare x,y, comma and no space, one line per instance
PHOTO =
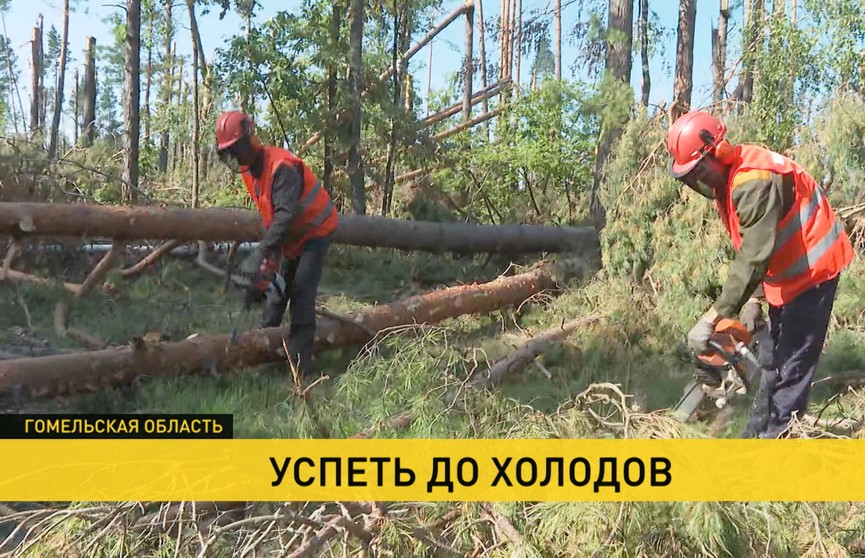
761,199
285,192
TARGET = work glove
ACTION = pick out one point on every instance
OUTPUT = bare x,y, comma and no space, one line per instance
260,272
698,337
752,316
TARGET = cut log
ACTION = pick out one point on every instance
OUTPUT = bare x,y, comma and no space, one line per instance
214,224
529,352
90,371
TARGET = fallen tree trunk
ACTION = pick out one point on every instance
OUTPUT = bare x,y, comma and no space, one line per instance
214,224
482,95
91,371
529,352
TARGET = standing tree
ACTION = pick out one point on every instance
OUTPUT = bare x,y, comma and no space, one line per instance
167,69
355,161
483,61
557,16
751,38
646,86
719,51
58,93
131,101
684,82
468,63
196,109
36,91
150,11
88,130
617,72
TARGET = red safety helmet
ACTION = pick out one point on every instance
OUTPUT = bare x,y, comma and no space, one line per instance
230,127
691,137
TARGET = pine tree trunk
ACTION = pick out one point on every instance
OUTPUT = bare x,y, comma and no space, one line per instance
180,99
205,101
75,110
245,104
36,82
557,17
482,52
43,101
519,46
195,107
391,146
355,161
468,63
618,65
148,79
88,131
753,32
220,224
503,48
330,121
61,76
644,52
719,51
512,9
131,105
429,79
168,71
684,82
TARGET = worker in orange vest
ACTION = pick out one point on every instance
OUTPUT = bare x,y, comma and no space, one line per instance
790,251
299,219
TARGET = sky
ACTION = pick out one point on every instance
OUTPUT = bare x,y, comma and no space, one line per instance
88,17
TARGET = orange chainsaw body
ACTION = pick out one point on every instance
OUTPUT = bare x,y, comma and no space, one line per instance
727,334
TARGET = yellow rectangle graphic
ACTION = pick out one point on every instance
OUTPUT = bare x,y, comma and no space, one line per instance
432,470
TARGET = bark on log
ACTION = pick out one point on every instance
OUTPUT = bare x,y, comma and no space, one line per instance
215,224
528,352
82,372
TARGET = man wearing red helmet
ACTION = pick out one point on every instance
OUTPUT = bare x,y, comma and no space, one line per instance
299,219
790,251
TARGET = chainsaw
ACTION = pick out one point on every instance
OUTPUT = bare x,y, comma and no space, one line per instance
728,369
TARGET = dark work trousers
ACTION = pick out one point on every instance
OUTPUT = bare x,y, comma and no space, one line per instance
798,331
301,275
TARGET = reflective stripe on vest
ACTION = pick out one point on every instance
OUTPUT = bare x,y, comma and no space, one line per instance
305,202
798,222
811,257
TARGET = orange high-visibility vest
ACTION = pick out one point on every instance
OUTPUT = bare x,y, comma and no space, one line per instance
811,245
316,216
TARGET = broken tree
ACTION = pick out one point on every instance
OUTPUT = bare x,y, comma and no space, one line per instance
215,224
90,371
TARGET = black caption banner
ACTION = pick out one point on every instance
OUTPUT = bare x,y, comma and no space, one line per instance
163,426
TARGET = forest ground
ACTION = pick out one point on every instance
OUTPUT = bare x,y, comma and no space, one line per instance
178,299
